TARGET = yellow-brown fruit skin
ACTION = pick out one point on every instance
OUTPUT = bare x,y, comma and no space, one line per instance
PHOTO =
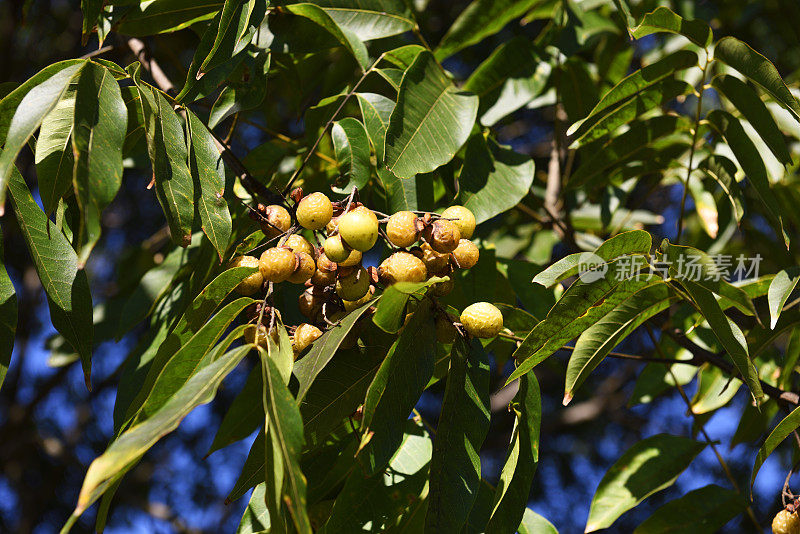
323,278
786,522
306,266
304,336
466,254
335,249
482,319
353,286
299,243
463,218
252,284
443,236
435,262
359,229
250,335
402,267
310,303
277,264
401,229
314,211
279,221
351,305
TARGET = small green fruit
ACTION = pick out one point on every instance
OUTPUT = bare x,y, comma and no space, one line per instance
335,249
353,286
359,229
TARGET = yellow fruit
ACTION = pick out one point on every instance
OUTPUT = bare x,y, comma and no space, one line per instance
298,243
482,320
352,260
466,254
336,250
402,229
323,278
353,286
350,305
461,217
304,336
306,266
443,236
314,211
250,335
435,262
402,267
786,522
359,229
277,264
278,221
249,285
310,303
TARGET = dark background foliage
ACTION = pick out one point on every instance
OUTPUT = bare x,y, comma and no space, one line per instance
51,428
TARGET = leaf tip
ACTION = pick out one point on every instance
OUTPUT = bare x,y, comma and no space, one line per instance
567,398
87,379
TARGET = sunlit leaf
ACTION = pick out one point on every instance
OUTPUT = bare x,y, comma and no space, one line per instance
779,290
665,20
702,511
351,145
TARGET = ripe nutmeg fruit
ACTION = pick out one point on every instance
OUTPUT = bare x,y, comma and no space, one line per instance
435,262
306,266
299,243
461,217
482,320
353,286
786,522
304,335
277,264
402,230
251,284
443,236
359,228
466,254
277,220
335,249
314,211
402,267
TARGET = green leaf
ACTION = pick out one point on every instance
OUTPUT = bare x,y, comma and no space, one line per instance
463,424
401,193
714,390
747,102
533,523
478,21
723,171
370,19
430,122
406,370
390,312
758,69
494,178
351,145
665,20
323,349
101,120
91,12
209,185
625,14
8,315
582,305
634,83
635,242
53,158
133,443
376,502
788,424
651,465
30,112
702,511
243,417
255,519
231,28
751,162
599,339
376,110
66,285
728,333
346,37
285,433
166,16
511,77
166,144
779,290
244,95
516,478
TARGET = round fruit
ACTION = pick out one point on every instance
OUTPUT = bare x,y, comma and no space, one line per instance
304,336
249,285
298,243
442,289
402,229
314,211
278,221
310,302
277,264
443,236
786,522
466,254
335,249
352,260
350,305
306,266
402,267
250,335
445,330
353,286
359,229
435,262
461,217
482,320
323,278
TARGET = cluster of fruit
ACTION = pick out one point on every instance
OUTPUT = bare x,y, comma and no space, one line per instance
336,282
786,522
